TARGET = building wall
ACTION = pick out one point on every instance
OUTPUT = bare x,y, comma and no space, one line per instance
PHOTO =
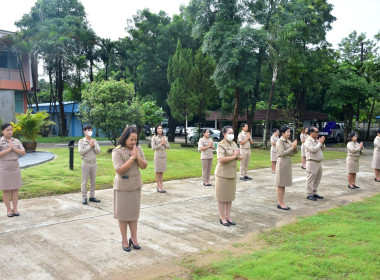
7,105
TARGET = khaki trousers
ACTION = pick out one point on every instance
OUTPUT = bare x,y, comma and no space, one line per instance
88,171
206,169
314,175
246,156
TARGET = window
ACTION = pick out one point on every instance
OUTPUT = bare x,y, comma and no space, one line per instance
19,102
8,60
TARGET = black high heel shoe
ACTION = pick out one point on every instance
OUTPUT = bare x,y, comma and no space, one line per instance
225,224
128,249
231,222
137,247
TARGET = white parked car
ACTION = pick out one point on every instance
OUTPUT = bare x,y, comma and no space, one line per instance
194,135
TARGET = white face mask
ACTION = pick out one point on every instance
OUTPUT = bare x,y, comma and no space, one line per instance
89,133
230,137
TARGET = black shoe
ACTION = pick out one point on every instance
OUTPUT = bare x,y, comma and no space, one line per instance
356,187
128,249
283,208
377,180
163,191
352,188
137,247
94,199
231,223
247,178
84,200
303,167
318,196
225,224
16,214
311,197
10,215
243,179
207,185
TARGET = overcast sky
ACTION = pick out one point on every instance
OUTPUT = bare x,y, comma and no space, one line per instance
109,18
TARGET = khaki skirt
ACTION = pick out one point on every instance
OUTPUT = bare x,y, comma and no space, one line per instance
160,161
126,205
273,156
303,152
284,172
352,164
10,175
376,160
225,189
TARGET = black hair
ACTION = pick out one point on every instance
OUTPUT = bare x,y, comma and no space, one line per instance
274,130
352,134
378,131
243,125
312,129
5,125
284,129
125,135
87,127
155,129
224,130
204,131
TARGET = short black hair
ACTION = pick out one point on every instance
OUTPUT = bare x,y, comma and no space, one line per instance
274,130
155,129
312,129
125,135
204,131
5,125
352,134
243,124
87,127
284,129
224,130
378,131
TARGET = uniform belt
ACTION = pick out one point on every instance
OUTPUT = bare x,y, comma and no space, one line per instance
12,159
315,160
161,150
89,161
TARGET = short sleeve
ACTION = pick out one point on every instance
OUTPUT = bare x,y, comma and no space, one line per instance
240,137
200,143
221,152
141,153
19,145
117,159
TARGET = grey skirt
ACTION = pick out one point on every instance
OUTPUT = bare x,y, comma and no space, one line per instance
303,152
376,160
10,175
160,159
352,164
273,156
284,172
126,205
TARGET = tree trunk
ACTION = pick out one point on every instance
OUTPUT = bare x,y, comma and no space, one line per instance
267,120
235,123
91,73
60,100
348,111
172,125
370,119
34,67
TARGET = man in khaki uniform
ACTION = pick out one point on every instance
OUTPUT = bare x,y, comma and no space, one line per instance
314,157
245,142
88,149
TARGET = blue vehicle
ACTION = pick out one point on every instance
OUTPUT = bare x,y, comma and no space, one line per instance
333,131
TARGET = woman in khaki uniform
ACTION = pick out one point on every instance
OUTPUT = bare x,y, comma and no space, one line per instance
127,159
10,173
303,137
228,154
206,145
159,145
273,151
376,156
285,150
354,150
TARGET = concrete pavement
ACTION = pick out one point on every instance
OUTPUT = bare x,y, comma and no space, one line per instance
59,238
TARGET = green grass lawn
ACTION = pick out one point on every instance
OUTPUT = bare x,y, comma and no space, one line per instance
341,243
55,177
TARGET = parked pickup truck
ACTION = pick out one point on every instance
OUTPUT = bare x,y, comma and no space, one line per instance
333,131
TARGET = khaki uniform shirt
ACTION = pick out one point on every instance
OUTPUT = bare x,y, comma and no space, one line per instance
273,139
303,136
284,148
241,137
313,149
131,179
206,154
353,149
226,169
12,155
156,143
376,144
87,152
